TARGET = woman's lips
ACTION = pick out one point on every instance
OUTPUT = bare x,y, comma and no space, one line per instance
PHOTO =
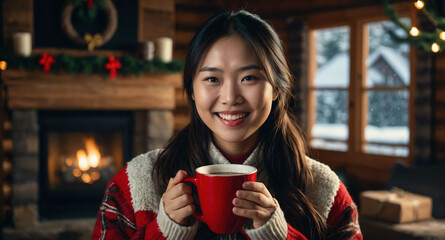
232,119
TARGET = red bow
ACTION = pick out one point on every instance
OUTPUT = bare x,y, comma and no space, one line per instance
90,3
46,61
112,65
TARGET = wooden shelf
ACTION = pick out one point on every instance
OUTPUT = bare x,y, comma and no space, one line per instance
39,90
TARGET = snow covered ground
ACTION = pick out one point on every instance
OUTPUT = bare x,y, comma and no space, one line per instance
339,132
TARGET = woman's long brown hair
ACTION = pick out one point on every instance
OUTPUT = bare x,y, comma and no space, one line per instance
283,149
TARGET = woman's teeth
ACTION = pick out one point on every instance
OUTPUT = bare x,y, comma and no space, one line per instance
232,117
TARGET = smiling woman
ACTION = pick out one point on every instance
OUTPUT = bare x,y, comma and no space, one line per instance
239,86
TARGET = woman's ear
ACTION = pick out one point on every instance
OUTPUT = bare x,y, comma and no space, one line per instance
275,94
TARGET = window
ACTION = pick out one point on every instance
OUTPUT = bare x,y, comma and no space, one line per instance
360,94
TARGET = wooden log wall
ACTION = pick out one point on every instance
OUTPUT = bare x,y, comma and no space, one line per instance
439,109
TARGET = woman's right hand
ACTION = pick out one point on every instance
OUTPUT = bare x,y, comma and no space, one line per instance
177,199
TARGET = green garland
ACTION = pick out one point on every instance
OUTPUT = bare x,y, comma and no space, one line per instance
93,64
425,39
87,14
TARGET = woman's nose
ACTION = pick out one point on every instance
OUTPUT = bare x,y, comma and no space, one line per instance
230,94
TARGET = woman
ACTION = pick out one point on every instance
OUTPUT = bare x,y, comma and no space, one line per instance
238,84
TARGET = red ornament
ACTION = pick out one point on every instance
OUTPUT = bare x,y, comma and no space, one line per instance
90,3
46,61
112,65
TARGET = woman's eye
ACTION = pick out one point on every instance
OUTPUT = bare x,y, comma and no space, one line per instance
211,79
249,78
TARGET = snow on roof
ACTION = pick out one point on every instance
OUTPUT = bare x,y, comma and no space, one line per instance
399,63
334,73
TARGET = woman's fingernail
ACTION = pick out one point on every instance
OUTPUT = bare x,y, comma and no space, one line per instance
239,193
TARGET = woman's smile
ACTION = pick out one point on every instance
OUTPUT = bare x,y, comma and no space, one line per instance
232,119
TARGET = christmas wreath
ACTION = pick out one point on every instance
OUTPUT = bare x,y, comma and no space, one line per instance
87,11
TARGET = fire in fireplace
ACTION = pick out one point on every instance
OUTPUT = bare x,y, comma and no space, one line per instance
79,153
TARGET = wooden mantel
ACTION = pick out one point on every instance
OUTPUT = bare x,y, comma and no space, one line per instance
50,91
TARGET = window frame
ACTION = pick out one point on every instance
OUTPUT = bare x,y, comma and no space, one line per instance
357,19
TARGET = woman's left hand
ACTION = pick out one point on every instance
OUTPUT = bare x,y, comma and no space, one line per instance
254,202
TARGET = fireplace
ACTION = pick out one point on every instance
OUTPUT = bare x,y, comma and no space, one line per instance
61,124
80,151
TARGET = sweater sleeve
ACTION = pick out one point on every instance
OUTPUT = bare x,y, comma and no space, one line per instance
275,228
116,218
171,229
343,217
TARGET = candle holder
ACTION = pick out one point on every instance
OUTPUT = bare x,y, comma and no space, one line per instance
147,50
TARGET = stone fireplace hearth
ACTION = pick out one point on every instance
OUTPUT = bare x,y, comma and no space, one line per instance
31,94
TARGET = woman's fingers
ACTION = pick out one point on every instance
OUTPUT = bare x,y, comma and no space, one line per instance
254,202
257,187
182,213
257,198
178,202
177,199
255,214
180,175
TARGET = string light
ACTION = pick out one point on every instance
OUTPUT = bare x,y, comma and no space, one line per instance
435,47
442,36
3,65
414,32
419,4
428,40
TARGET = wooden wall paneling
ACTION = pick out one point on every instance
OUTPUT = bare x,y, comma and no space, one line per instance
439,108
156,19
293,7
18,16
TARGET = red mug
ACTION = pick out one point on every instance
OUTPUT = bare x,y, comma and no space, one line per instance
217,185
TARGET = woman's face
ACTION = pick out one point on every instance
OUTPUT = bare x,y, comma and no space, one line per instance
232,94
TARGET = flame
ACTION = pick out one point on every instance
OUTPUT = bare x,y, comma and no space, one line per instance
86,178
87,161
93,152
82,159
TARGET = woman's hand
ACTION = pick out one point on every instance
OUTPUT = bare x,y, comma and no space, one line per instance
254,202
177,199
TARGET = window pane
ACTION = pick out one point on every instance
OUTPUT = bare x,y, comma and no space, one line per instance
329,145
399,151
388,60
387,119
332,57
331,120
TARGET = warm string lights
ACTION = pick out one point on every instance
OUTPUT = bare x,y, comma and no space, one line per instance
428,40
3,65
420,5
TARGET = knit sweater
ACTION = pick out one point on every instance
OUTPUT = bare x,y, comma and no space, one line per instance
131,208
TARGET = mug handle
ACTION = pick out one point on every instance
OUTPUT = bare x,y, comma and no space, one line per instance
194,181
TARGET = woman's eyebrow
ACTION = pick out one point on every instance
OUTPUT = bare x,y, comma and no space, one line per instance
244,68
210,69
248,67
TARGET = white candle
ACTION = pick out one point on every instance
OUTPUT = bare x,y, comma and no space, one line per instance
164,49
22,44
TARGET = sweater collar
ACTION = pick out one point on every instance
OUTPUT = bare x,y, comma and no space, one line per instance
216,157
